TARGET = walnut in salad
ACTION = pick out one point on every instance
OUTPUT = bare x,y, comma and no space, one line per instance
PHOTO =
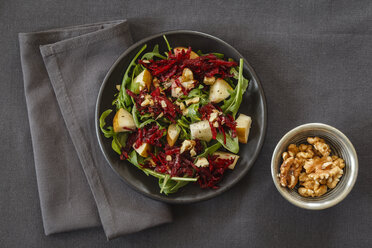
176,116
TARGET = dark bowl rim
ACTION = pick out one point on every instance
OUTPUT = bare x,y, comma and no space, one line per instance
164,198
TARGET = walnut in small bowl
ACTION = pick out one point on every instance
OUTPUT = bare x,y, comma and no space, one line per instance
313,169
311,166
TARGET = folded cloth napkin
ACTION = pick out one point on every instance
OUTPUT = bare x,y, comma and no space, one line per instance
63,70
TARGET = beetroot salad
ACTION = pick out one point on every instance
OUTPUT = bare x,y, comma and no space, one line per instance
176,116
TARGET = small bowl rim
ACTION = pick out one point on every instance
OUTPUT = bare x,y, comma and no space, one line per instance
353,167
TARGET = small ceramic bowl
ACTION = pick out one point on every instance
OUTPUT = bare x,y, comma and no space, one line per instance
340,146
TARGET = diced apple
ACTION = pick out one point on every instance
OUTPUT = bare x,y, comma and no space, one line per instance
219,91
243,125
201,130
143,80
172,134
227,155
123,121
202,162
178,50
143,150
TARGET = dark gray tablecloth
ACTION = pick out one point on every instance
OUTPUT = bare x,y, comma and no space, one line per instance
314,59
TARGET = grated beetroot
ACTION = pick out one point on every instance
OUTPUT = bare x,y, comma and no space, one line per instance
208,65
184,90
149,134
213,129
230,123
222,130
130,141
210,176
170,110
179,165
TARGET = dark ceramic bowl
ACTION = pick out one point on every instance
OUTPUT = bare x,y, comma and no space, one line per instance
254,105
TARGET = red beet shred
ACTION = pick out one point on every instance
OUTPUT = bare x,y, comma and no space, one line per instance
170,110
208,65
172,162
210,176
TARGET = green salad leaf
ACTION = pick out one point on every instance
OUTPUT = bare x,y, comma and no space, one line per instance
122,138
109,132
136,160
232,104
135,116
118,139
232,144
134,87
163,183
118,142
140,124
115,145
145,116
145,119
193,112
154,53
166,41
185,128
184,135
171,186
123,100
218,55
148,122
210,150
199,92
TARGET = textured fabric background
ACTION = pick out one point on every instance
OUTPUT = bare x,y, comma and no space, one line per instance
314,59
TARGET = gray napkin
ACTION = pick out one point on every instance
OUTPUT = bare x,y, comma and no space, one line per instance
63,70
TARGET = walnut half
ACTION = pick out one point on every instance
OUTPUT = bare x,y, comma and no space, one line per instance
320,145
289,172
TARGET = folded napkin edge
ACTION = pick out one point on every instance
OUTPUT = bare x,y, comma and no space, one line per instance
57,35
69,28
101,34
